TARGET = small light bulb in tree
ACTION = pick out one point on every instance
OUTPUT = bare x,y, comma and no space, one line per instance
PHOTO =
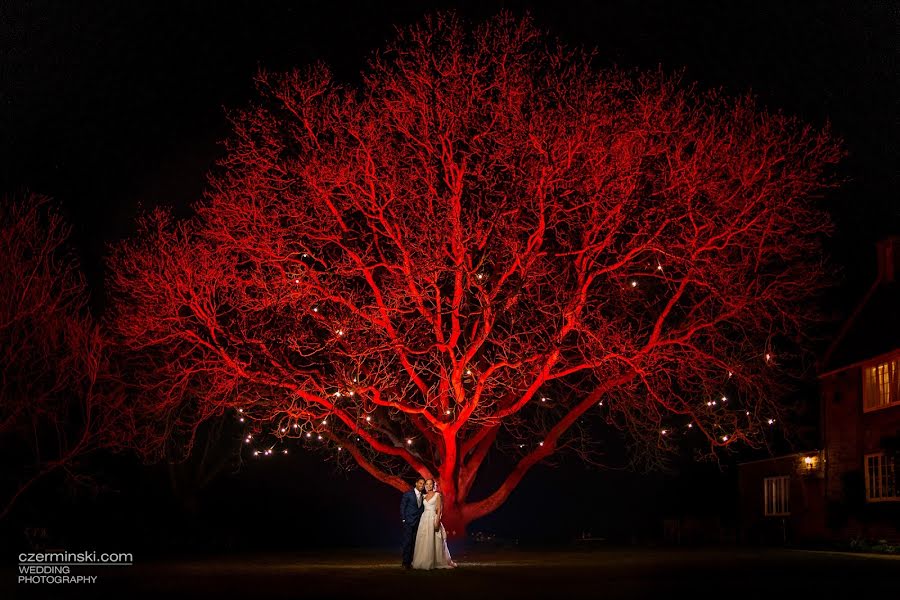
324,421
724,399
633,283
664,431
724,438
690,425
771,421
285,451
446,412
256,453
241,419
368,418
340,332
468,372
319,437
283,429
308,434
408,442
540,443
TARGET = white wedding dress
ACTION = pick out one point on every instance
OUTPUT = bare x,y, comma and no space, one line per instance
430,551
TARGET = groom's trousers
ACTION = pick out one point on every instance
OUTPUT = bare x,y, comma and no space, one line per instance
409,539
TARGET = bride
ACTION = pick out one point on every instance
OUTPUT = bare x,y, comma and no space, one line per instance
430,551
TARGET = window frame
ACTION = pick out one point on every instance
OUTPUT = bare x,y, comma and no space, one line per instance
872,387
881,458
785,489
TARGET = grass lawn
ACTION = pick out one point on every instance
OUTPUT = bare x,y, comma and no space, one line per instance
597,573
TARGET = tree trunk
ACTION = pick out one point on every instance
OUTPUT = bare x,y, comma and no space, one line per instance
455,523
454,515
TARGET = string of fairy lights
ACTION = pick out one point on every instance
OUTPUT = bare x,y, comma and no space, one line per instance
262,448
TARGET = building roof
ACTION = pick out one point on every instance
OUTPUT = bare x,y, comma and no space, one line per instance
873,329
779,457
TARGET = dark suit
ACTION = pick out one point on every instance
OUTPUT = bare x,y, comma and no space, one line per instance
410,512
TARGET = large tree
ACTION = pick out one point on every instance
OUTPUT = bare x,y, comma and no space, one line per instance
489,243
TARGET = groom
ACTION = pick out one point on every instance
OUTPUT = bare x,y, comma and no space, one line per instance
410,511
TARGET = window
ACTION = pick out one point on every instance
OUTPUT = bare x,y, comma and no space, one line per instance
776,492
881,478
880,385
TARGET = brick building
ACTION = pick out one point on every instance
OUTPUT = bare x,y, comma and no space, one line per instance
782,499
861,411
850,488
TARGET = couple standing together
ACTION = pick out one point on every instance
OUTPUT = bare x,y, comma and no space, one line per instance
424,537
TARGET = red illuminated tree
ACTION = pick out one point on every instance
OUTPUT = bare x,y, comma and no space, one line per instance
490,244
55,391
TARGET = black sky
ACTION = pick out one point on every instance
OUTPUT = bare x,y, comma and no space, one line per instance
113,107
106,105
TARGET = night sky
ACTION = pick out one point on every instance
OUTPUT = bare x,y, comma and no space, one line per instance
115,107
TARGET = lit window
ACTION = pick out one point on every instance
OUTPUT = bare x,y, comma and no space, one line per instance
880,385
881,478
776,494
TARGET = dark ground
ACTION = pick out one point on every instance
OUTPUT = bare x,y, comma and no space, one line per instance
593,573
